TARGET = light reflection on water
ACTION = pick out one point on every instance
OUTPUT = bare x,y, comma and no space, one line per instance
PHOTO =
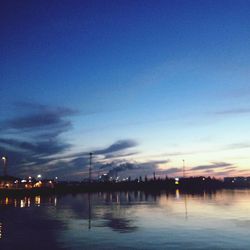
127,220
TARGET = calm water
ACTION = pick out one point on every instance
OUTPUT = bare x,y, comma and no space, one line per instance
127,220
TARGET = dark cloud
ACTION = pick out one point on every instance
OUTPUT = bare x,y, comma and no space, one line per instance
31,138
37,121
122,167
119,155
108,153
44,118
212,166
44,149
38,148
41,148
153,164
33,107
80,161
32,157
117,146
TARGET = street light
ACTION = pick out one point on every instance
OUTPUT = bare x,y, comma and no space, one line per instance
4,165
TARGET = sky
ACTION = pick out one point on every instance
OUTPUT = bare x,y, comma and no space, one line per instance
143,85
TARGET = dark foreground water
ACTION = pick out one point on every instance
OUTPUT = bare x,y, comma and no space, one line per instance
127,220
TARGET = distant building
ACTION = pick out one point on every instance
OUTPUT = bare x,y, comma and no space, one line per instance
104,177
7,182
237,180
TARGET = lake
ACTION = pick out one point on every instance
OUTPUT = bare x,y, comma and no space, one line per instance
127,220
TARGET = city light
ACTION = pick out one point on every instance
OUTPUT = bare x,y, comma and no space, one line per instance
5,165
176,181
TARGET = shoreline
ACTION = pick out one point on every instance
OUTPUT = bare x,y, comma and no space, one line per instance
148,187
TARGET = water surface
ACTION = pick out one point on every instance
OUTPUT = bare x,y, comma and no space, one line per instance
127,220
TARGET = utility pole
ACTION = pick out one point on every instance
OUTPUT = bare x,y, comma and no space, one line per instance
90,165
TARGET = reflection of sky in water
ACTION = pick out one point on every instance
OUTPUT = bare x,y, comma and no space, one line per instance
136,220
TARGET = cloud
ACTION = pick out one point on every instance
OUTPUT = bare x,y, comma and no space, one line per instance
233,111
238,146
35,134
38,121
42,118
33,143
133,169
117,146
224,173
28,162
39,147
172,171
212,166
77,164
122,167
37,107
120,155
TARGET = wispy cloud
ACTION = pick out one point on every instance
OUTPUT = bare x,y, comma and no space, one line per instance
224,173
42,148
119,155
45,117
27,158
33,135
238,145
171,171
213,165
236,111
117,146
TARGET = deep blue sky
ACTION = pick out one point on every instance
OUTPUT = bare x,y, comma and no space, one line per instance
161,81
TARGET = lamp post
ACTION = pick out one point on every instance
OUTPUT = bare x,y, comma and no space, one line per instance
4,165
